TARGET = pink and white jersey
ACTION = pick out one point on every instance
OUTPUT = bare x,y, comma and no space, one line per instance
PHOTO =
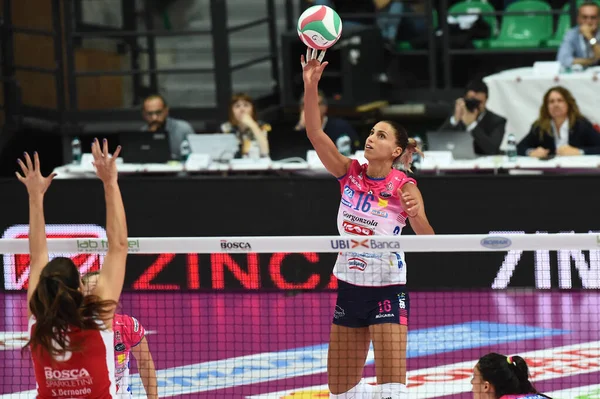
76,375
524,396
128,334
370,207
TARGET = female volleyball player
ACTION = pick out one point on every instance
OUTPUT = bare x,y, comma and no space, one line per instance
70,336
497,376
130,338
372,303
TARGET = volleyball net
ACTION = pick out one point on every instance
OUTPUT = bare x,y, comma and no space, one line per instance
250,317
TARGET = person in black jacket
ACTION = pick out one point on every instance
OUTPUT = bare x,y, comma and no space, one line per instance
560,129
471,115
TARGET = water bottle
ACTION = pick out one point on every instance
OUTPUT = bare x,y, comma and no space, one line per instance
76,151
416,163
511,148
185,150
344,145
254,151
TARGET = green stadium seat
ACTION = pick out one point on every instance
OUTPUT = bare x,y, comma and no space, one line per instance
524,31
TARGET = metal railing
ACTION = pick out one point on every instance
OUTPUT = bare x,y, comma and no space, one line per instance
443,50
67,26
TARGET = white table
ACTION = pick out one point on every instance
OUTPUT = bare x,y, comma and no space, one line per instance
517,94
72,171
430,165
588,164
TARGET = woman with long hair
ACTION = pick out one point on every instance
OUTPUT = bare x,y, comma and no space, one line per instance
244,124
70,335
560,129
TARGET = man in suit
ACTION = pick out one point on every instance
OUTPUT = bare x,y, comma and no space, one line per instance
471,115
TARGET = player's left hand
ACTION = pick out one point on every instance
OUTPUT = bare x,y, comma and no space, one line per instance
410,204
32,176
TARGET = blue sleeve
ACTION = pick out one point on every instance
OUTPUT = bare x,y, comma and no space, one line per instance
567,50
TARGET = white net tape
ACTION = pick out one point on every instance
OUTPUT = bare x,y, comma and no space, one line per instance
323,244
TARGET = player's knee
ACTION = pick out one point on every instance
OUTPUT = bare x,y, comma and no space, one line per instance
359,391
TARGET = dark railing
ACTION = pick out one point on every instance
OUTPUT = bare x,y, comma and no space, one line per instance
442,49
68,31
68,25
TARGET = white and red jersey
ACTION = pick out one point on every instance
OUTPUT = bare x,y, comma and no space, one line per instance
86,374
128,333
370,207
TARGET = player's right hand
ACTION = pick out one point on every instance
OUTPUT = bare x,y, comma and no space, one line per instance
312,66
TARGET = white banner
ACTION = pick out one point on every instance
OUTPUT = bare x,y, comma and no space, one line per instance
322,244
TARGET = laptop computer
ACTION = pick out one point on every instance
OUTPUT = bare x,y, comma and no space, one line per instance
145,147
459,143
220,147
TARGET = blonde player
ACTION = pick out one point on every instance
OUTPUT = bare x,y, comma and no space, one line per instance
71,336
130,338
372,303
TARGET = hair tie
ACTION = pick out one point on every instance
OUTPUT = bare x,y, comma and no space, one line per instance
509,360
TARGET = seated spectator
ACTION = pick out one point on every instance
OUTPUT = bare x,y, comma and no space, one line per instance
560,129
497,376
581,44
156,113
242,122
339,130
471,115
388,14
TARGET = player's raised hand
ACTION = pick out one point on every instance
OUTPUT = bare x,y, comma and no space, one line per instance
312,66
32,176
106,166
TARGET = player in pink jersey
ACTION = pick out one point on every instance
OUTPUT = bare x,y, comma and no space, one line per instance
372,303
497,376
70,335
130,338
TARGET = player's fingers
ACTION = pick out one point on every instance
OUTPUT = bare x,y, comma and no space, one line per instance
117,152
308,54
28,161
23,167
36,161
322,55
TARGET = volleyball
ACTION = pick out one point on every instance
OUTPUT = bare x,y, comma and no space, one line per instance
319,27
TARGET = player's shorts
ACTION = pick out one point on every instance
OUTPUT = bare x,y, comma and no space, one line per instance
358,306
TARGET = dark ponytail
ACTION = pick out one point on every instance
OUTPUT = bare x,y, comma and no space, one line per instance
59,306
509,375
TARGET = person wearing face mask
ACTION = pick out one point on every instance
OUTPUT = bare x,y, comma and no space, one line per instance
497,376
242,122
581,44
560,129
